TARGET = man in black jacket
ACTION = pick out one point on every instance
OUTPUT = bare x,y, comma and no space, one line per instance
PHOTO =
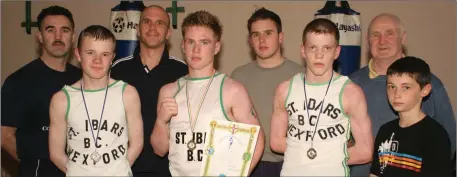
148,70
26,94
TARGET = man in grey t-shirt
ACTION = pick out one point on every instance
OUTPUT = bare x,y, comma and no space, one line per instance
263,75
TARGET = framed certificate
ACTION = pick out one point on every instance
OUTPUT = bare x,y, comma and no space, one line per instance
229,148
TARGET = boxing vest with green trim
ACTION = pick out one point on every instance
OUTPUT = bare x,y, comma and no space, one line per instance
332,133
112,143
183,161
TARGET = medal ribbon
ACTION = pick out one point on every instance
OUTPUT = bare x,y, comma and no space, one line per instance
306,104
87,112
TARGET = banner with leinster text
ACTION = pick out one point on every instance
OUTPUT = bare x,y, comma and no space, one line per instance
348,22
123,23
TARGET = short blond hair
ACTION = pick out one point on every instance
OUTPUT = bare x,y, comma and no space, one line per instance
204,19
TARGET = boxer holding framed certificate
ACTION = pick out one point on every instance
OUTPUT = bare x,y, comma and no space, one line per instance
186,107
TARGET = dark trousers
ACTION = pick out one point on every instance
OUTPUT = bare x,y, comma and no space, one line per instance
151,174
38,168
267,169
453,166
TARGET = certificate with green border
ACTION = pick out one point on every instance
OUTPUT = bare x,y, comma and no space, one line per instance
229,148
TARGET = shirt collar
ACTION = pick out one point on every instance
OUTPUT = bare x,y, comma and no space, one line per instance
165,56
372,73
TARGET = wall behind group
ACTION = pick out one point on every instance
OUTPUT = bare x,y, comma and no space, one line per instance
430,25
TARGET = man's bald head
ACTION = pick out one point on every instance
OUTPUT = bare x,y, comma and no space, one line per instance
383,17
386,37
156,9
154,27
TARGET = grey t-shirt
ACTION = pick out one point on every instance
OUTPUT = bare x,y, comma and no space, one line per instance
261,84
